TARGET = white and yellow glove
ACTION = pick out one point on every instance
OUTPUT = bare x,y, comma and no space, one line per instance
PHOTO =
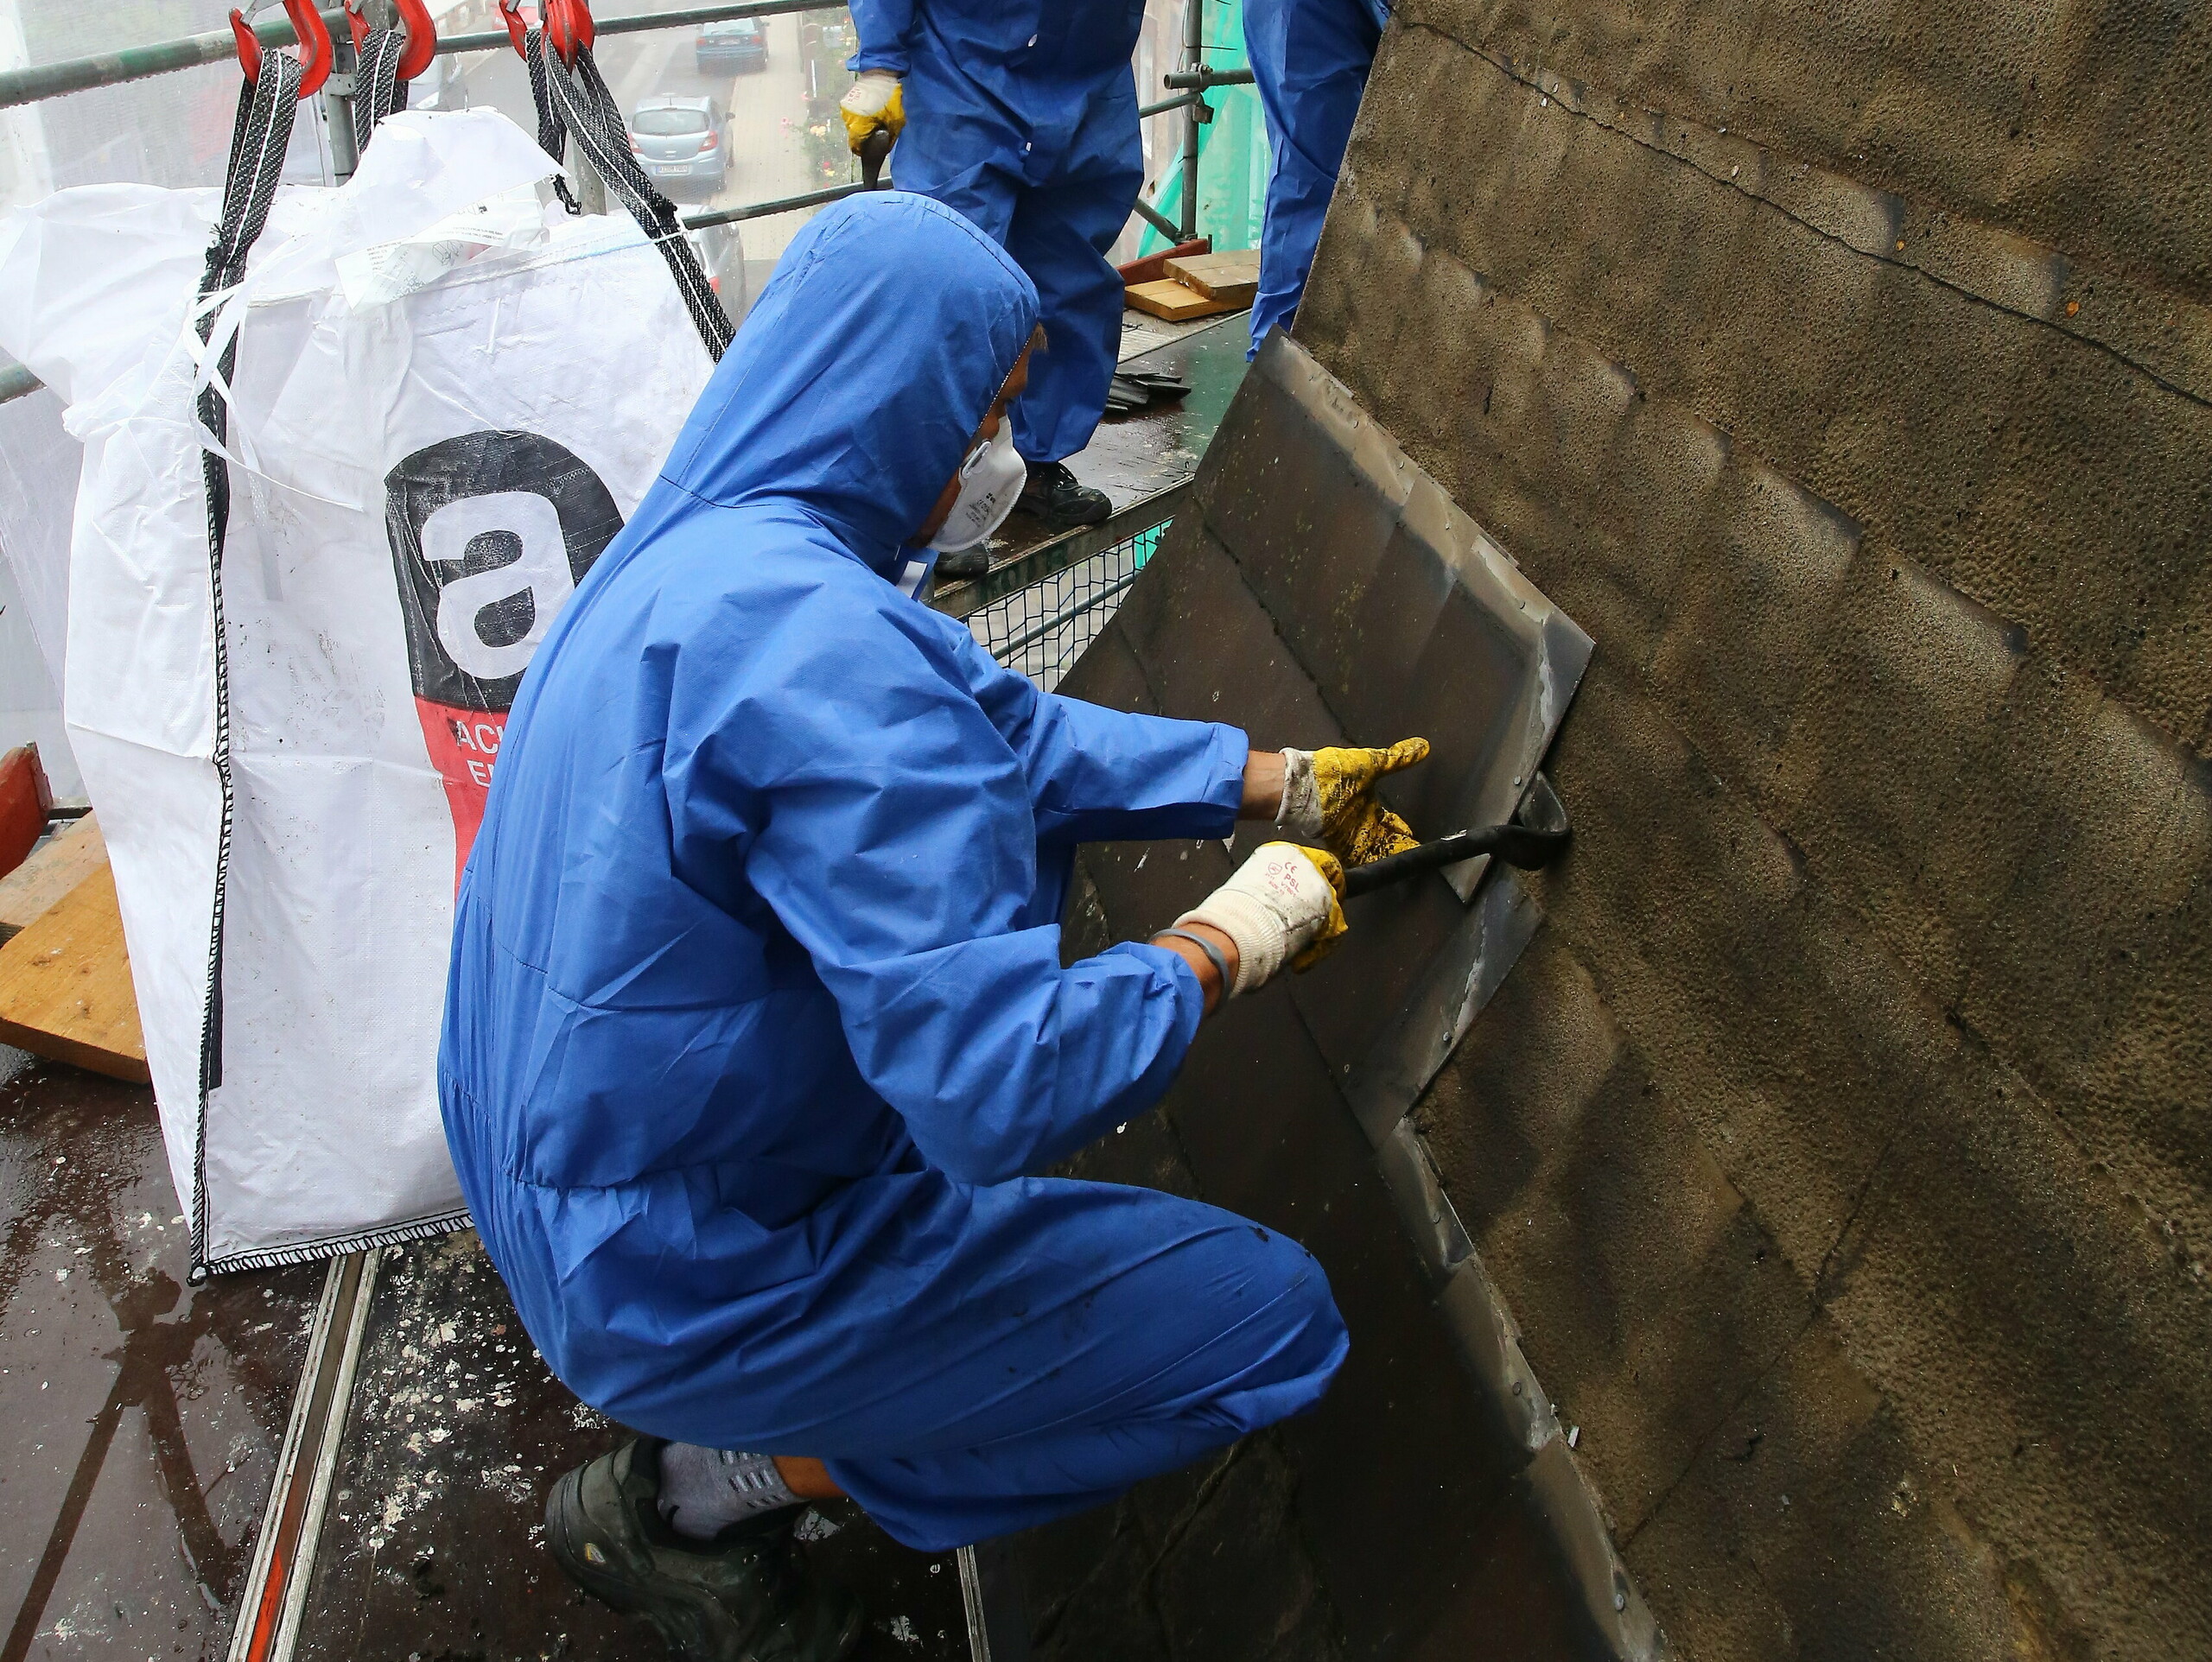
1328,796
875,101
1285,905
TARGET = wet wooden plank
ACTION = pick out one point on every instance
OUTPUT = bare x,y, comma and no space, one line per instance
65,985
44,880
1171,300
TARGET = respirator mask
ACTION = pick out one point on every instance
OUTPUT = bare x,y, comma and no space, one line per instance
990,483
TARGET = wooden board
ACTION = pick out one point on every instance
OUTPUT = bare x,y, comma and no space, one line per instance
68,858
65,985
24,799
1232,277
1173,301
1152,267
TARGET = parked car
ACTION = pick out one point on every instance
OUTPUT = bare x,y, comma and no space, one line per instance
731,43
681,142
721,250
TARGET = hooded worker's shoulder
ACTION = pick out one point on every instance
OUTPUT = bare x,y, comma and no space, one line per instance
757,626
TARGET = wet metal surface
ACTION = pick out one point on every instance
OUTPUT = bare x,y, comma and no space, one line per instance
144,1415
433,1543
1407,614
1140,454
1318,588
1453,988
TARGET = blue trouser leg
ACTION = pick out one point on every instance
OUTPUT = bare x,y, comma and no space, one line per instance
1162,1329
1310,60
1060,236
1058,232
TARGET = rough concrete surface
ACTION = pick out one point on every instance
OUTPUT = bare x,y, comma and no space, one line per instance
1842,1145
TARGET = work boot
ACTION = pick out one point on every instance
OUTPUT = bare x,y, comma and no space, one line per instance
1053,496
743,1597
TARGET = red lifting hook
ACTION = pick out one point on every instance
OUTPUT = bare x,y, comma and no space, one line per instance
568,26
422,35
315,54
517,26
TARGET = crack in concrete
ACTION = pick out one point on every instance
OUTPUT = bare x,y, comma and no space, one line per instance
1558,94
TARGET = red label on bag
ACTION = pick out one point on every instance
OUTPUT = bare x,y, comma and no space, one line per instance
491,533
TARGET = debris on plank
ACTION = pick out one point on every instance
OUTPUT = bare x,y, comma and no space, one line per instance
1233,278
1170,299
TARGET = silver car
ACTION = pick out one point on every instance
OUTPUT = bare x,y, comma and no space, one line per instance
681,144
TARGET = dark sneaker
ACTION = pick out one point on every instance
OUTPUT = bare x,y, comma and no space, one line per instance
744,1596
1053,496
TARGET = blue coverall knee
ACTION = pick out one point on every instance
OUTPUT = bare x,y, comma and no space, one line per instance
1310,60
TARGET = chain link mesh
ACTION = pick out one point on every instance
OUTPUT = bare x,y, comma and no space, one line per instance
1041,629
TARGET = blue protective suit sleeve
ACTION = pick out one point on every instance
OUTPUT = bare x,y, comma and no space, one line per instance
884,27
883,817
1097,774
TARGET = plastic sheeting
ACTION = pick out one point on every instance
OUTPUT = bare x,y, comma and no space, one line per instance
445,402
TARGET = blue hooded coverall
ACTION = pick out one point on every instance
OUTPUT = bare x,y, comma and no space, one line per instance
1310,60
1022,115
756,1016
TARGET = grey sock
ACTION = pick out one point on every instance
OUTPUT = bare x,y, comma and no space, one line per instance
704,1491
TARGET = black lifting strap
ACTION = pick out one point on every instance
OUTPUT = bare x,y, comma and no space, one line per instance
258,140
552,134
578,102
378,90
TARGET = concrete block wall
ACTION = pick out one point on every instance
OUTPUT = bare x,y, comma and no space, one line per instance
1843,1145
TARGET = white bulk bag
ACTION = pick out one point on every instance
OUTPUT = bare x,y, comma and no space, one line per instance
447,399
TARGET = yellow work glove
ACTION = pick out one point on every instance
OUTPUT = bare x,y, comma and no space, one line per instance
1328,796
1285,905
876,99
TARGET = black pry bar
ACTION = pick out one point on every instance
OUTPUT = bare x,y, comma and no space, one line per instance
1539,831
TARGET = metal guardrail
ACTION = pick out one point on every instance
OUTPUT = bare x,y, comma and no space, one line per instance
1038,612
136,63
53,81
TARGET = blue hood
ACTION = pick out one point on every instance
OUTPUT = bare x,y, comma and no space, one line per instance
861,373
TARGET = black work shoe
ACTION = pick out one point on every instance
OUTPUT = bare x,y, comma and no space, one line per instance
965,564
1053,496
744,1596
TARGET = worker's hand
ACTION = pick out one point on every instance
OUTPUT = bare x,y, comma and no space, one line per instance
1284,905
873,101
1328,796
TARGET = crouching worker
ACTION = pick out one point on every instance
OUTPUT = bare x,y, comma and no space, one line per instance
757,1019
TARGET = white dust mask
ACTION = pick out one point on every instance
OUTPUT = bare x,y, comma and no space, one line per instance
990,482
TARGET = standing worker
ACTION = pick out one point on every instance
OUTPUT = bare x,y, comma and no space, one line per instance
756,1023
1022,116
1310,60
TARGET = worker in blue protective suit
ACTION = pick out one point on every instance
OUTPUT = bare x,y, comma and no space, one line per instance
1022,114
756,1021
1310,60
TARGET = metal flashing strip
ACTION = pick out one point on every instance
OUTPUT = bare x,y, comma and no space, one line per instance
283,1557
1460,979
1419,579
1382,1090
1311,496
